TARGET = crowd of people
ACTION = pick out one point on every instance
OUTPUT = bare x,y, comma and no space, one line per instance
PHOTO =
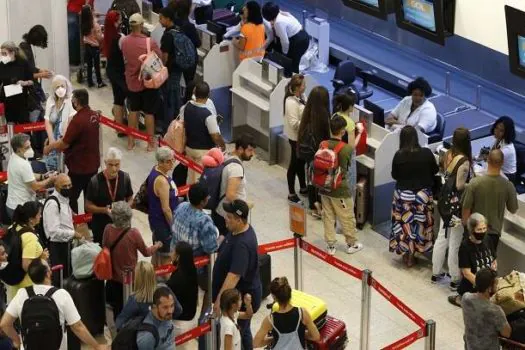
215,218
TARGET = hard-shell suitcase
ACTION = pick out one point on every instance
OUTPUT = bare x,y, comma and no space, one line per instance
265,272
333,336
361,202
315,306
90,299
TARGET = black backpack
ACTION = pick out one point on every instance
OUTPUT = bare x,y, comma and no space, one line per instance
126,338
449,202
13,273
41,233
40,321
212,179
307,147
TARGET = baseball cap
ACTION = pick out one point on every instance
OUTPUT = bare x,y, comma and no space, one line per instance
238,207
136,19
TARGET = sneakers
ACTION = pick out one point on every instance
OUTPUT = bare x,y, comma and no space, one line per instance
436,278
454,286
294,198
101,85
330,249
351,249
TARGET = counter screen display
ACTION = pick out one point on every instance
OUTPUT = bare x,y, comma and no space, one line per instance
521,50
420,12
374,3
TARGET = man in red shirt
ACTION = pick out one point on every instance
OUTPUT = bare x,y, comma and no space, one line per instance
140,99
80,145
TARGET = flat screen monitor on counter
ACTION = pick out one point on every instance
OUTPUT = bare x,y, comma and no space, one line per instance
430,19
516,40
377,8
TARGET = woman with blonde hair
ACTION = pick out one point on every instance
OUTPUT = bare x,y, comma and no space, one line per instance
59,110
139,302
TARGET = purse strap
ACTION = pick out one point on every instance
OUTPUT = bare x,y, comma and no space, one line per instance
148,44
118,239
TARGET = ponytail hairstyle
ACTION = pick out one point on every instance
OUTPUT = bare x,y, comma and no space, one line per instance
229,298
25,212
295,83
281,290
343,102
86,20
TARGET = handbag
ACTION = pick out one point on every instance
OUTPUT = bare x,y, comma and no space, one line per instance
140,201
152,72
175,137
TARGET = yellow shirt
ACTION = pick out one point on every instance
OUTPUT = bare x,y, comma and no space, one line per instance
255,38
350,124
31,249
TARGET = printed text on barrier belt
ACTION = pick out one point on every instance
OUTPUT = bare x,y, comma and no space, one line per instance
341,265
200,261
145,137
29,127
192,334
405,342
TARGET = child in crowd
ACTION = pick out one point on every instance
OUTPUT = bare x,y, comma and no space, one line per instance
230,305
337,203
92,38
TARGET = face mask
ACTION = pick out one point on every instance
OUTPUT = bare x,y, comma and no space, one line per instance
5,59
66,192
3,265
60,92
478,236
29,154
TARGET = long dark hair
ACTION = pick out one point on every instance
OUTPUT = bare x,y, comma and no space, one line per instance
254,12
344,101
316,115
25,212
185,262
408,141
37,36
86,20
510,130
461,143
295,83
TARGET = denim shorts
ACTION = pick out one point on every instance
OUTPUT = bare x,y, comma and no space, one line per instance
162,234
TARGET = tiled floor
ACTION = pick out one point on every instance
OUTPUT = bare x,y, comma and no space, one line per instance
267,189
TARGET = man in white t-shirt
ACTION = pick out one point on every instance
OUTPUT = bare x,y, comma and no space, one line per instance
23,182
233,182
40,274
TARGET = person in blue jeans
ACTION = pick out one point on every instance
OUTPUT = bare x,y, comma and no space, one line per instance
162,202
237,264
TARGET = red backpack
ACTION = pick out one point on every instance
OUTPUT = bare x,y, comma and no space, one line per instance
327,174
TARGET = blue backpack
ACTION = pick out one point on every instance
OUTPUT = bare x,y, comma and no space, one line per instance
212,179
185,52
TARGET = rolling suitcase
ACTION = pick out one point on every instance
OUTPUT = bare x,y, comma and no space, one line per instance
314,305
90,299
333,336
265,272
361,202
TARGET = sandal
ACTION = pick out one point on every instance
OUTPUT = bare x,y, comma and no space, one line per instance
455,300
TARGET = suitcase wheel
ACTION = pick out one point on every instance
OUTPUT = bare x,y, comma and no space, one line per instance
360,226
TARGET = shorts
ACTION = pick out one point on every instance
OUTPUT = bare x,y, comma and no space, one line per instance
120,92
147,101
162,234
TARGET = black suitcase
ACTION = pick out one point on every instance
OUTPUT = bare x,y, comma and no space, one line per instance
265,272
90,299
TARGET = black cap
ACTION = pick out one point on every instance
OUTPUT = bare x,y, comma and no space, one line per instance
238,207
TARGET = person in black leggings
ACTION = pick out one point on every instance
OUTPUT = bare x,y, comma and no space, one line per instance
293,111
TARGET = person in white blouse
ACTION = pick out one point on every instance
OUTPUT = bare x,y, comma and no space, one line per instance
294,102
293,39
415,110
504,135
59,110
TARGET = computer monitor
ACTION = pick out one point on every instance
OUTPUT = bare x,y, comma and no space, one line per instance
377,111
521,50
282,61
516,40
377,8
218,29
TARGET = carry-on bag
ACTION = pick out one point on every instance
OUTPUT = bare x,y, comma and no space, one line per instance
333,336
315,306
361,202
90,299
265,272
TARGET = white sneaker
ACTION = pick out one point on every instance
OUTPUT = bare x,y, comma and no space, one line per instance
351,249
330,249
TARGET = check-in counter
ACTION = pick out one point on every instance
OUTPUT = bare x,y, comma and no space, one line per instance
511,248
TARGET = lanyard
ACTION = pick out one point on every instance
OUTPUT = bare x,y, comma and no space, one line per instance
112,194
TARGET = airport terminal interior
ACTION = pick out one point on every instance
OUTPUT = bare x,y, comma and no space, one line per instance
471,52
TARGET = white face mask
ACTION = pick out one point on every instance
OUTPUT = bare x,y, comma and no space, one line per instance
29,153
60,92
5,59
3,265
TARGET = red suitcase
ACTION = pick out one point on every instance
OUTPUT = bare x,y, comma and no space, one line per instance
333,336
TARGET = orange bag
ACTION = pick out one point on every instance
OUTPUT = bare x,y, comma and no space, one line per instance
102,266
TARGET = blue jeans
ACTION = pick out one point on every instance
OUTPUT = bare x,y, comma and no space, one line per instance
245,325
73,37
172,94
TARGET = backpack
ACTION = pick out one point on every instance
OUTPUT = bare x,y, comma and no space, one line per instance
212,179
449,202
41,233
40,321
185,52
103,266
126,338
152,72
326,172
140,201
13,273
307,147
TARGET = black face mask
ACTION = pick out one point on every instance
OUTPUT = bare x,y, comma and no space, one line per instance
478,236
66,192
